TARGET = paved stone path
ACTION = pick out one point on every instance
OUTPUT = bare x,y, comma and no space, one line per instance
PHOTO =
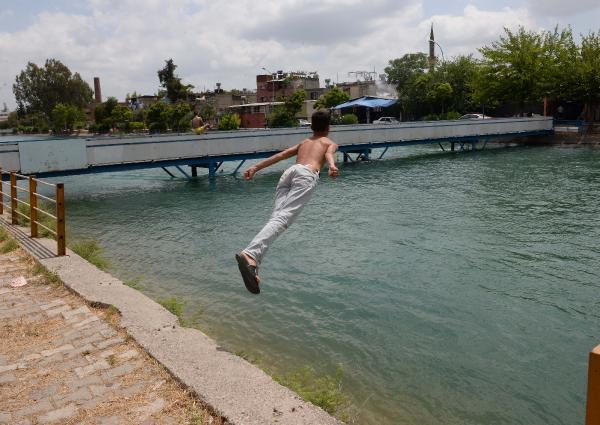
62,361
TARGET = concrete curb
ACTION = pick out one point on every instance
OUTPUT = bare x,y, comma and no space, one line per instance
235,389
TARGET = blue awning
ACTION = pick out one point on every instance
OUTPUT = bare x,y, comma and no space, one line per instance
367,101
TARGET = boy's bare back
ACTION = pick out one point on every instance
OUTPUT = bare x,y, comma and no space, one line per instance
312,152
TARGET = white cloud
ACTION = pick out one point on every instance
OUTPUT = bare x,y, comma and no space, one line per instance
124,42
463,34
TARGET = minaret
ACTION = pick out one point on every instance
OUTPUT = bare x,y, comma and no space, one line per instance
432,58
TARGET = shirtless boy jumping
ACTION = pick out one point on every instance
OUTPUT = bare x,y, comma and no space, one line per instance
294,190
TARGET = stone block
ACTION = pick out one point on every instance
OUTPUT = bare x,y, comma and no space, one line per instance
81,310
107,343
121,370
41,406
58,414
51,352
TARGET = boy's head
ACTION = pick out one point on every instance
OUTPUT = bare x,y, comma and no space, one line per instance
320,121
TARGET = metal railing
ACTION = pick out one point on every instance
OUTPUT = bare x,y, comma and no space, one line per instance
34,210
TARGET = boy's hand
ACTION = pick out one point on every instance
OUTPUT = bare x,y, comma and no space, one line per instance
249,173
333,171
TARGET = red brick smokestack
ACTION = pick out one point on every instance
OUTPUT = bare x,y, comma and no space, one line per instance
97,92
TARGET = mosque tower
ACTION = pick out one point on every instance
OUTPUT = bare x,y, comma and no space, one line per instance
432,58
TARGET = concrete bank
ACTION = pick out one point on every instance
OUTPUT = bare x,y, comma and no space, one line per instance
235,389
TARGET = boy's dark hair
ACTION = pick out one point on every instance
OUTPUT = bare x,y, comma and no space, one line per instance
320,120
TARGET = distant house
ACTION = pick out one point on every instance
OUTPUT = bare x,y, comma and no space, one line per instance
254,115
359,88
143,102
270,87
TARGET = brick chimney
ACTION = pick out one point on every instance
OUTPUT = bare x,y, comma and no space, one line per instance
97,92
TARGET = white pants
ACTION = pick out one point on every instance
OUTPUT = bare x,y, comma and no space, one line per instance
294,190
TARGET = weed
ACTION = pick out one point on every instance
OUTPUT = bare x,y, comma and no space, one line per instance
92,252
8,246
3,234
135,283
49,277
324,391
174,306
111,360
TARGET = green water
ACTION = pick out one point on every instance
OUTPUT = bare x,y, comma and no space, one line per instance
453,289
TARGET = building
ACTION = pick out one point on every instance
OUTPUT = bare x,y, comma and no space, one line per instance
254,115
359,88
270,87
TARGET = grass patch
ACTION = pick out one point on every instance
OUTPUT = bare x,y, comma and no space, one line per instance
92,252
135,283
8,245
174,306
49,277
324,391
3,234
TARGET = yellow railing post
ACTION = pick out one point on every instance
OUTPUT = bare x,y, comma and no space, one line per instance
13,198
1,194
60,219
33,206
592,414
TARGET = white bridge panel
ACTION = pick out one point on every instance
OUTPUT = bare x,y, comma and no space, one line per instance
9,157
52,155
111,150
55,155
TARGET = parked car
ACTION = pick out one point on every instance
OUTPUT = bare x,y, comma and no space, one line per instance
386,120
303,123
475,117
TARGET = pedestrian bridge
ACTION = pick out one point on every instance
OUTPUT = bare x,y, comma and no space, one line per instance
51,156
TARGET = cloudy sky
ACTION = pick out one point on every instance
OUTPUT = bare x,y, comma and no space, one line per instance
124,42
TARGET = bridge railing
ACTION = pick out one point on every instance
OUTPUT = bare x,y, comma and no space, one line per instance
592,416
28,205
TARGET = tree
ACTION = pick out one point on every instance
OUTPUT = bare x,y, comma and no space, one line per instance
460,73
230,122
66,117
333,97
175,90
404,73
40,89
179,118
440,93
120,117
158,117
285,115
588,72
513,69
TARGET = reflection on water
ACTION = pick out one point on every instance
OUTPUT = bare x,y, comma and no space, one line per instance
453,289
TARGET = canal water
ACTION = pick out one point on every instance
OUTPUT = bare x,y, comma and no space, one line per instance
452,289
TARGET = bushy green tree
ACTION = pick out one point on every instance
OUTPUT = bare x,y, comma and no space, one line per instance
120,117
285,115
230,122
460,73
40,89
513,69
406,74
157,118
333,97
172,84
66,117
179,116
588,72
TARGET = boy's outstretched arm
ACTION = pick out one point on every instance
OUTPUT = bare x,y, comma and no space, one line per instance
333,170
280,156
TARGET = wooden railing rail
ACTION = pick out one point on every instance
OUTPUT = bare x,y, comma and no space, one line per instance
32,207
592,414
